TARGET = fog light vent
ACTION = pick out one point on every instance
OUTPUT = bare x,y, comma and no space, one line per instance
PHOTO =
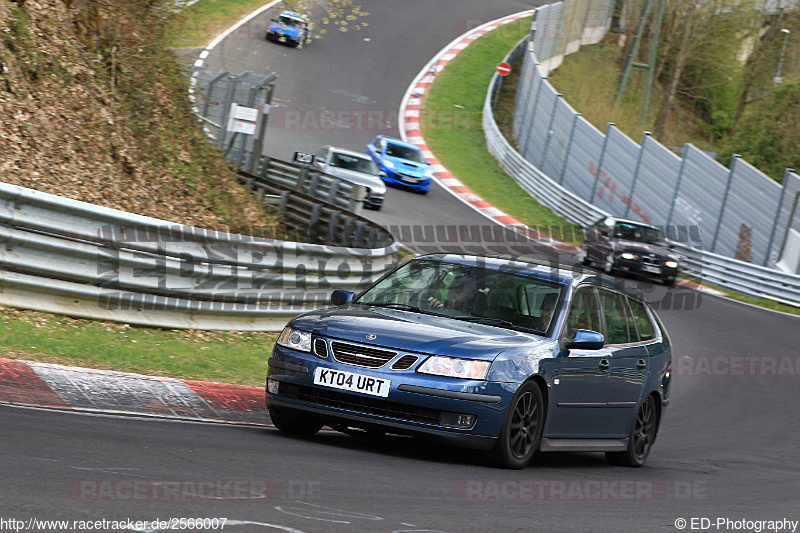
456,420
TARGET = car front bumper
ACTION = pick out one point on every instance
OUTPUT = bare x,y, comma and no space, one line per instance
414,404
638,268
414,182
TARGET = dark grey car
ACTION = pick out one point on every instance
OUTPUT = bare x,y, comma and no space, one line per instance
627,246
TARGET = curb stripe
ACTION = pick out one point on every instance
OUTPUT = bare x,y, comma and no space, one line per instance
410,131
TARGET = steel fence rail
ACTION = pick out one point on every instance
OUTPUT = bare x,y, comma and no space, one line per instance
70,257
740,276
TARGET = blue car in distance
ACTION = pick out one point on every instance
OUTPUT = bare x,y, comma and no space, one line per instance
504,355
401,163
290,28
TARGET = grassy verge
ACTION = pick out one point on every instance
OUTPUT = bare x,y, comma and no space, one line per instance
230,357
198,24
760,302
451,125
588,80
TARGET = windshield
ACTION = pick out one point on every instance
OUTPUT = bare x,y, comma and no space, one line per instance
289,21
404,152
470,293
638,233
351,162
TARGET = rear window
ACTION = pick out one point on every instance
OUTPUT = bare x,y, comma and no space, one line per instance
619,329
643,323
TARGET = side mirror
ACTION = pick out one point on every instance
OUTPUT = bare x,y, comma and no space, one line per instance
584,340
340,297
383,174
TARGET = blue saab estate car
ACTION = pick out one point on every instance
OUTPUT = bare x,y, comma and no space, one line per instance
504,355
290,28
401,163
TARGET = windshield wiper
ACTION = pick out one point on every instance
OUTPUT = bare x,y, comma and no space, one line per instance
393,305
483,320
489,321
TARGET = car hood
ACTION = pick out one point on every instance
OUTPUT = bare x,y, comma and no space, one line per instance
407,167
289,31
642,248
357,178
412,332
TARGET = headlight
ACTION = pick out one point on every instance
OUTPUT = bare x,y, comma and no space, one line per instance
671,264
628,255
455,368
428,174
295,339
388,164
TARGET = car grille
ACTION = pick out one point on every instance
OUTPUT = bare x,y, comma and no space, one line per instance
405,362
652,261
320,348
359,404
354,354
409,179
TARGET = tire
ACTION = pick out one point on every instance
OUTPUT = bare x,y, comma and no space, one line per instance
585,260
294,422
643,433
522,429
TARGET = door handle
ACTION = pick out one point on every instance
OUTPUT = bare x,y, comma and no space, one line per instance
604,365
641,364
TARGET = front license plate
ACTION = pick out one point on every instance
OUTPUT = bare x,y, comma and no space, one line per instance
339,379
651,269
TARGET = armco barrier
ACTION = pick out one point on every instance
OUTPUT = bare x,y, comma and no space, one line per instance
65,256
740,276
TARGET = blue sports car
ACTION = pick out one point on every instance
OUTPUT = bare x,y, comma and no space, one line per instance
290,28
401,163
504,355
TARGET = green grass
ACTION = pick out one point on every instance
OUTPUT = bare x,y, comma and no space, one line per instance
760,302
199,24
230,357
451,125
588,80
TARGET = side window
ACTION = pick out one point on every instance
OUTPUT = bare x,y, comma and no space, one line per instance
584,313
645,326
616,319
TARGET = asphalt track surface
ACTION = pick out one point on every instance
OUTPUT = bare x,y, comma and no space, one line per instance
728,445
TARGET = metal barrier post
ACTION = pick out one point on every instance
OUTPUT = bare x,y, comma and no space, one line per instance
636,173
550,128
724,201
777,216
677,185
524,144
569,148
600,162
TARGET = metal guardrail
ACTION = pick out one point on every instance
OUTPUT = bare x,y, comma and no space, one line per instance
730,273
314,183
65,256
